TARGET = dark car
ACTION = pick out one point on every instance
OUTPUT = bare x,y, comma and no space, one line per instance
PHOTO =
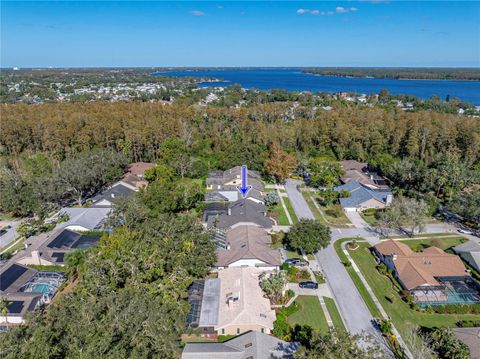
297,262
308,284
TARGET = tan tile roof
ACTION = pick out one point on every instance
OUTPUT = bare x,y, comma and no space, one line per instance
420,269
139,168
393,247
353,165
249,307
248,242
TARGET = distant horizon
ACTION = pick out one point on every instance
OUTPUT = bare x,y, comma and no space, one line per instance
235,67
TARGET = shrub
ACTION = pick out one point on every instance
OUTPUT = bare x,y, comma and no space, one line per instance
385,326
271,199
369,211
347,263
468,323
290,293
382,268
335,211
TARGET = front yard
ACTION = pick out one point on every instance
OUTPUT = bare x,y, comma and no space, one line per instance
333,215
309,313
402,316
419,245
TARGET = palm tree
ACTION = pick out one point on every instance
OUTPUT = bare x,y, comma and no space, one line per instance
4,304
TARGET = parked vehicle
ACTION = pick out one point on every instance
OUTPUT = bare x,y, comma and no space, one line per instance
465,231
308,285
297,262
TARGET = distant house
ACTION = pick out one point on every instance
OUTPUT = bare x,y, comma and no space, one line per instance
358,171
233,303
222,186
470,252
135,175
26,289
249,345
50,248
108,197
248,245
242,212
362,197
432,276
84,219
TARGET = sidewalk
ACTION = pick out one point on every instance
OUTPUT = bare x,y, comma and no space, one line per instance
376,301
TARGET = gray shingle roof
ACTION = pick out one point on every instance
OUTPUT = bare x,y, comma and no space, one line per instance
250,344
111,194
242,211
91,218
359,194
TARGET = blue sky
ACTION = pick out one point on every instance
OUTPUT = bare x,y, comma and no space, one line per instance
326,33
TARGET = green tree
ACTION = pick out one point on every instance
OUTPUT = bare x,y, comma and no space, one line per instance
337,344
308,234
273,284
324,172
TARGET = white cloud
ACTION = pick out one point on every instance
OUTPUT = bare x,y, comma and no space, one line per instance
338,10
197,13
341,10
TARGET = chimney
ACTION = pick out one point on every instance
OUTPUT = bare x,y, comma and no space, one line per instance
229,211
36,257
228,247
371,177
389,199
394,257
113,195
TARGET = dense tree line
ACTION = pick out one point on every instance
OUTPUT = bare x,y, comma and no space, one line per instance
129,296
420,152
400,73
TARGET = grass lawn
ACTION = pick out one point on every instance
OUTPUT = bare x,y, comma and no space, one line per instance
419,235
444,243
47,268
370,219
19,244
402,316
293,254
341,221
334,313
280,216
308,197
290,209
310,313
356,279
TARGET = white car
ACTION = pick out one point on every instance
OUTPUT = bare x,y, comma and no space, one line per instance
464,231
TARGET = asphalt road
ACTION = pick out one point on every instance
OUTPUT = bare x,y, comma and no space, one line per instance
10,235
354,311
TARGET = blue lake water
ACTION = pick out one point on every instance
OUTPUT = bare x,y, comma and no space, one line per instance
296,80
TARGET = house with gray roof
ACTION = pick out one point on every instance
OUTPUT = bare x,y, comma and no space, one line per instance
362,197
242,212
84,219
107,198
248,245
249,345
50,248
222,186
470,253
26,289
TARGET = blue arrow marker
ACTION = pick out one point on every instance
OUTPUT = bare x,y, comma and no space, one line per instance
244,188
